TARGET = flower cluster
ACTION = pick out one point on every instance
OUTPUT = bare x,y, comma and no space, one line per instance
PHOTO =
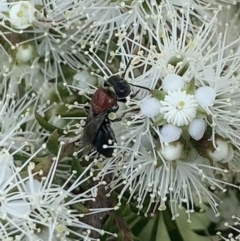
33,207
172,143
178,140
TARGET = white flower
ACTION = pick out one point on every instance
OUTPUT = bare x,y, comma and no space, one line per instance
39,205
223,82
14,113
179,108
185,173
22,14
55,42
14,206
182,182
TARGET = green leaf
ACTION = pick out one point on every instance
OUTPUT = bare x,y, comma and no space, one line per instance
47,126
171,226
190,87
76,166
200,221
80,207
152,229
73,113
158,94
159,121
21,156
201,113
52,143
124,210
185,229
43,167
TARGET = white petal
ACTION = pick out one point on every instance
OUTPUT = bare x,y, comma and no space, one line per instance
172,82
170,133
17,208
197,128
3,6
229,156
205,96
32,186
6,160
83,78
150,107
5,172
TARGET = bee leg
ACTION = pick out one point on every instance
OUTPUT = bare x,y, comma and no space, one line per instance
114,108
86,109
124,100
134,94
108,126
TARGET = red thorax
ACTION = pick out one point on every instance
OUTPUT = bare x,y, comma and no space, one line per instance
101,101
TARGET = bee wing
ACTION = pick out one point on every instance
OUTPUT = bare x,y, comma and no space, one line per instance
93,124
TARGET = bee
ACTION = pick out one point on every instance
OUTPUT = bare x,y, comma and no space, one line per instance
97,131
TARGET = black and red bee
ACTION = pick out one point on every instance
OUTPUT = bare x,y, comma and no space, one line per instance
97,131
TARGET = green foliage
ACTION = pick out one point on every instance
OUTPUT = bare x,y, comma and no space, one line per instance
160,227
46,125
190,87
52,143
158,94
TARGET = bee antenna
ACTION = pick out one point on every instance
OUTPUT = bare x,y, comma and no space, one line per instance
141,87
124,74
128,64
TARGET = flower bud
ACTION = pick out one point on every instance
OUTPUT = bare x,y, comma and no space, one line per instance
172,151
150,107
83,79
205,96
197,129
172,82
170,133
24,53
223,153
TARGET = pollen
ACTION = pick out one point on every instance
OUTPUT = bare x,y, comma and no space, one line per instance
180,105
20,13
